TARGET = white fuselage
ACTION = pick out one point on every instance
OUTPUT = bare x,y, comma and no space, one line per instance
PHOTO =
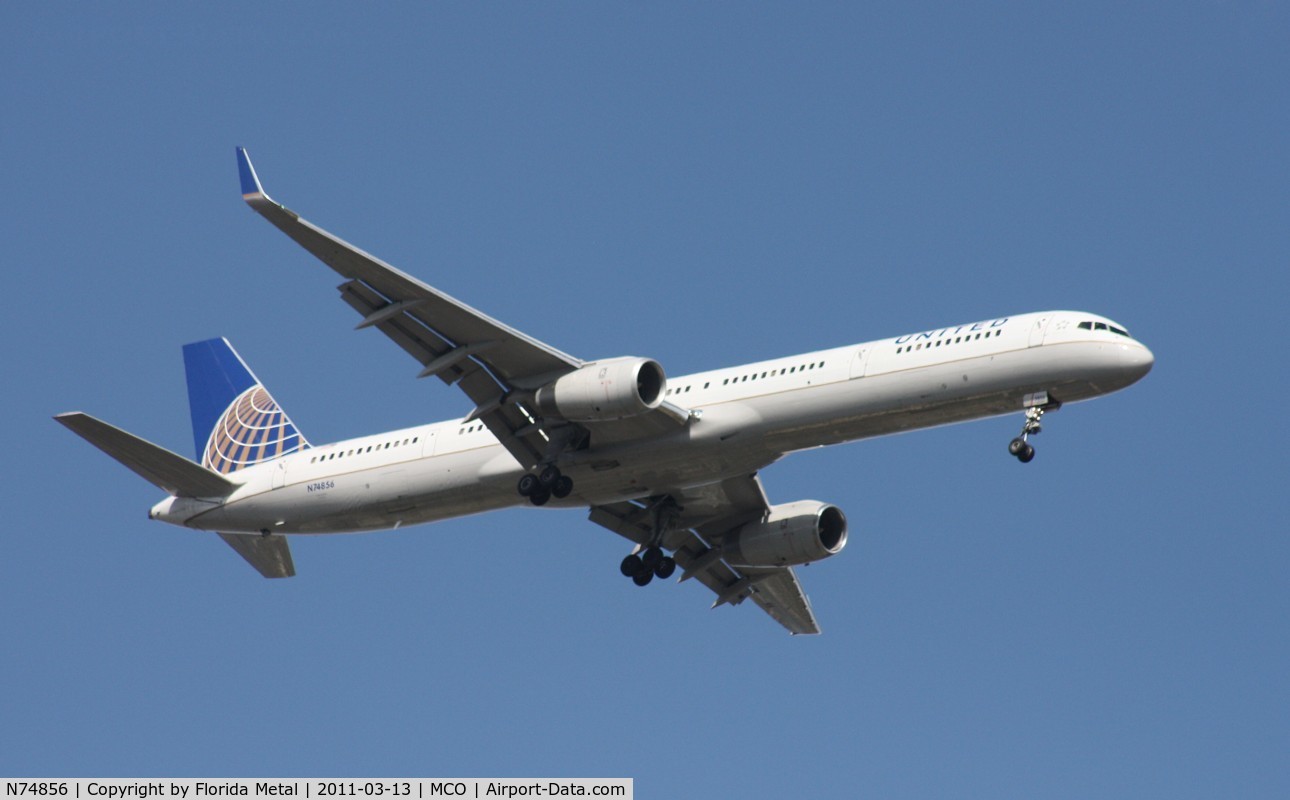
747,417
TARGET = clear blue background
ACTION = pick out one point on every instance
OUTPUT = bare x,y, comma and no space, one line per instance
705,184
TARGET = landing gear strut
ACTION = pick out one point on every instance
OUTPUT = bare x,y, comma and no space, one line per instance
1036,404
547,483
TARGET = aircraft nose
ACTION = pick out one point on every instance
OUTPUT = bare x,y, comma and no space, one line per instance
1137,360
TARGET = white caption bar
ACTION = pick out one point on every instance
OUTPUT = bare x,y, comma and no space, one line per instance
310,788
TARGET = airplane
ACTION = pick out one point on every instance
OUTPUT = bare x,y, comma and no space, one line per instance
670,464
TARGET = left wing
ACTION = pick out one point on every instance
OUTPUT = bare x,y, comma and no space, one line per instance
702,518
496,366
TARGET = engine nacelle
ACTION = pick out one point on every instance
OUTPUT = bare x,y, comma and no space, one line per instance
611,389
793,533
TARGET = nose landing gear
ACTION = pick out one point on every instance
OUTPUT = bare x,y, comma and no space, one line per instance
1036,404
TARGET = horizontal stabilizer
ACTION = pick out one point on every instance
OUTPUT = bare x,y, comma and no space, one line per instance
270,555
157,465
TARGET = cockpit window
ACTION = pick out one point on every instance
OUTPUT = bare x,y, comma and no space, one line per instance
1089,325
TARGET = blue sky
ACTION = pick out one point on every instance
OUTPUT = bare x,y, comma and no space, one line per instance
706,185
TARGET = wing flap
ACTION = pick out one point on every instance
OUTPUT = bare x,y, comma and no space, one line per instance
780,594
415,339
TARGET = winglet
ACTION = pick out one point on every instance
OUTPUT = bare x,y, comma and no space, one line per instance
250,182
253,194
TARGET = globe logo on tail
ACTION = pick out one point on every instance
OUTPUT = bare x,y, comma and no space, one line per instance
253,429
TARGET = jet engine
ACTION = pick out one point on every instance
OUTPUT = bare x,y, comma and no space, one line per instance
793,533
603,390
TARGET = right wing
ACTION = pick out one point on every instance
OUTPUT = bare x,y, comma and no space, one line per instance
705,515
496,366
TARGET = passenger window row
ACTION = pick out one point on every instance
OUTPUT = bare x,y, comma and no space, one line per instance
947,341
753,376
360,450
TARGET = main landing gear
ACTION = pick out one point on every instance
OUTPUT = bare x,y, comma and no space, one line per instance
547,483
643,566
648,561
1036,404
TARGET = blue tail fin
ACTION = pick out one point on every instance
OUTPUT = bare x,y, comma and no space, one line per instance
236,423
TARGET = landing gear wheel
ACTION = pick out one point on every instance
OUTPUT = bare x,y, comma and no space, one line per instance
665,567
528,485
549,475
540,497
1036,404
643,577
631,566
652,557
562,487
